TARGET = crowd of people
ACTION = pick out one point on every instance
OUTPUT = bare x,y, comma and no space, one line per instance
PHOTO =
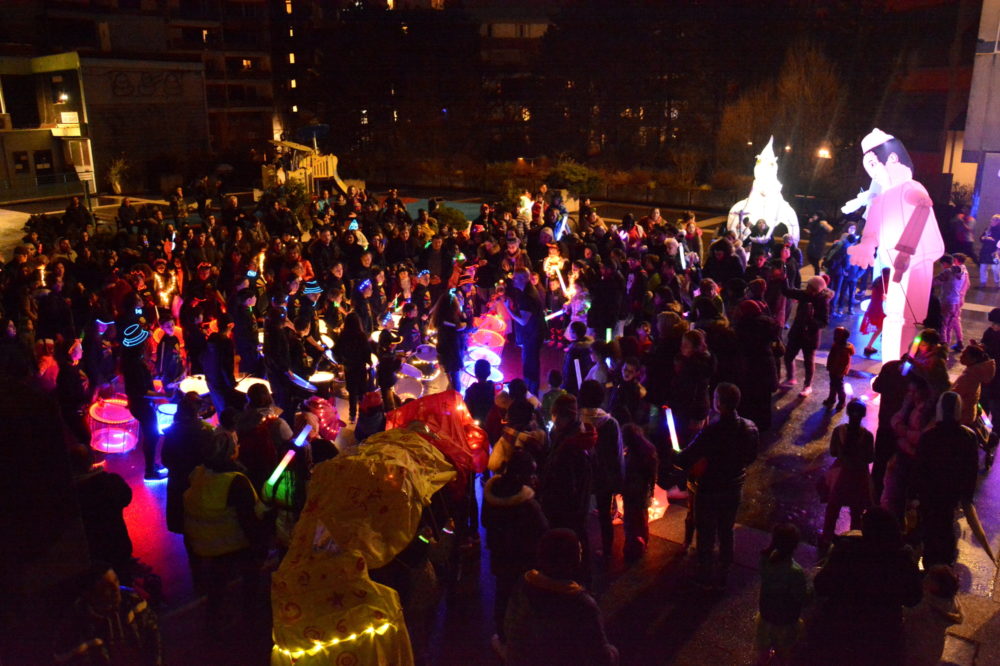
673,350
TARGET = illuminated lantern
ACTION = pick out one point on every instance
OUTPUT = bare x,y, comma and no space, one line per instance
113,429
765,201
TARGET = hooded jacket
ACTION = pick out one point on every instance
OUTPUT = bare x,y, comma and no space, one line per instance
514,526
969,386
568,476
533,441
579,350
555,622
609,463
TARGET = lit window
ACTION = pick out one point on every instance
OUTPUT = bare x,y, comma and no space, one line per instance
291,58
288,6
291,32
364,116
247,63
295,108
525,114
395,116
204,36
294,83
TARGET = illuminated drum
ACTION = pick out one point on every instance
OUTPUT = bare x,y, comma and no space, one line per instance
426,353
408,387
411,371
165,416
244,384
486,338
194,383
486,353
491,322
301,383
113,429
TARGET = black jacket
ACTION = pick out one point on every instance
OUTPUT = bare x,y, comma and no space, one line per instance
727,446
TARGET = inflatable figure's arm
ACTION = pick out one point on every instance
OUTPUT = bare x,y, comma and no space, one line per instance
912,238
863,199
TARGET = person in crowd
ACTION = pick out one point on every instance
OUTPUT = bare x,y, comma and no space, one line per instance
184,444
838,364
566,481
811,316
690,390
222,528
451,325
722,452
908,424
514,524
641,467
848,482
945,475
864,584
108,624
874,316
953,282
524,308
551,619
978,372
784,591
988,260
139,389
555,381
609,460
353,350
103,496
521,432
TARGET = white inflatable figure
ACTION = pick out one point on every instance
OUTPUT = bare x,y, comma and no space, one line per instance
765,201
902,229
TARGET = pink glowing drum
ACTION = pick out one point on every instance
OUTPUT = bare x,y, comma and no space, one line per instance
486,338
491,322
113,429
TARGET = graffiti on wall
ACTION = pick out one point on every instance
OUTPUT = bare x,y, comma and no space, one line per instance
133,83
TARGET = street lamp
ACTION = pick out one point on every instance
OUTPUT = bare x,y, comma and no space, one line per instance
823,153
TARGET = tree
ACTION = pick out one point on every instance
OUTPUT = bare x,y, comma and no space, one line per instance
801,108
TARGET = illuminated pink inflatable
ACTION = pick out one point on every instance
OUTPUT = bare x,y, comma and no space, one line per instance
901,232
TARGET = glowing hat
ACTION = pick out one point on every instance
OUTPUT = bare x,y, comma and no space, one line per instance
875,138
135,335
312,287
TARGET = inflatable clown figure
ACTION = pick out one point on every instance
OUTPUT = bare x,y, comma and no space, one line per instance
901,233
765,201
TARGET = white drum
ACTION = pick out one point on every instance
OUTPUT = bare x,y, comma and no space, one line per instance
426,353
408,387
194,383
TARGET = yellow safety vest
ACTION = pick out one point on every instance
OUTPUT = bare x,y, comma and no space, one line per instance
211,526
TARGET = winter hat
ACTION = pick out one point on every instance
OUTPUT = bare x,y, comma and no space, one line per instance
994,316
949,407
748,310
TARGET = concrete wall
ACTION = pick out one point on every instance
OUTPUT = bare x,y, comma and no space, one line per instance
152,112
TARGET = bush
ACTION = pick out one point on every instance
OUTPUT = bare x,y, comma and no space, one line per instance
581,181
451,217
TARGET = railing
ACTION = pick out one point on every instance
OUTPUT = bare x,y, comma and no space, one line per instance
49,186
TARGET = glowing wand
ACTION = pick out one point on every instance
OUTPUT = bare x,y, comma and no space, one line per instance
296,445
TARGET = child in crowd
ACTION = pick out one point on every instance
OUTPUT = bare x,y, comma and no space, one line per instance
953,282
480,395
555,301
550,397
838,364
578,354
641,464
409,329
627,395
784,590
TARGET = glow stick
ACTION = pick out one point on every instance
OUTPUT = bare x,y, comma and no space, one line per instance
579,375
985,418
562,283
673,430
553,315
684,263
607,335
913,350
296,445
561,227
